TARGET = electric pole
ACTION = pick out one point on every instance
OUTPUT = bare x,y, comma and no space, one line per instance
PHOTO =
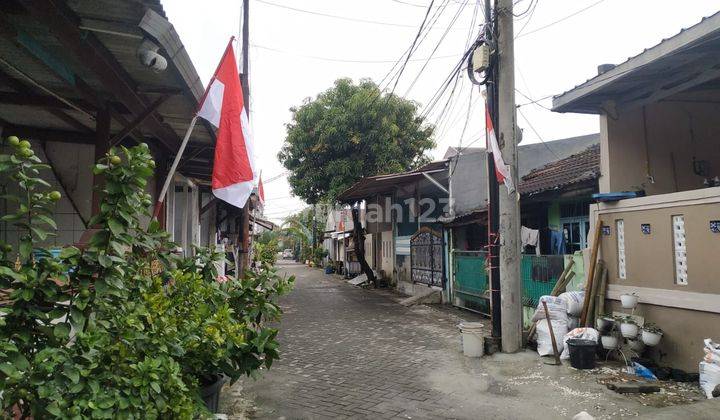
509,206
493,189
245,83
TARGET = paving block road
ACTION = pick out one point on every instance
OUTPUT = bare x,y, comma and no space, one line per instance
347,352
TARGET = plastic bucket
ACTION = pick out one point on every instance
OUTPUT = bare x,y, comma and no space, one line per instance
582,353
472,339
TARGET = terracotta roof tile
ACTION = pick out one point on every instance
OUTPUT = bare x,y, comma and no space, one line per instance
583,166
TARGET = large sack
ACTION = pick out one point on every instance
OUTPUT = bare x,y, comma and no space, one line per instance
584,333
574,301
544,342
556,308
709,377
712,352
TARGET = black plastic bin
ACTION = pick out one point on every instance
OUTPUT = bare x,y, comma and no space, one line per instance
582,353
210,391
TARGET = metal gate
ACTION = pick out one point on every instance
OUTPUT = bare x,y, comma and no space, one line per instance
427,258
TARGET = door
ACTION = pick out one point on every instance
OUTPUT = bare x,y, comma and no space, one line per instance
427,263
386,261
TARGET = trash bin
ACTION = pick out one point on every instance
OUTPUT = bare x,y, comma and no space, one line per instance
472,339
582,353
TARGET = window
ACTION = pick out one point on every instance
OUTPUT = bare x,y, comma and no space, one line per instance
680,250
575,230
620,229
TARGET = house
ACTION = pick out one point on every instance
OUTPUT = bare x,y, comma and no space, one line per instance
72,83
660,140
429,225
402,223
557,180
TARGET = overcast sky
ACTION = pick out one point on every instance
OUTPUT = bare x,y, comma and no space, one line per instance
295,55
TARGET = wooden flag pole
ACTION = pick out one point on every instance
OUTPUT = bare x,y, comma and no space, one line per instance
173,168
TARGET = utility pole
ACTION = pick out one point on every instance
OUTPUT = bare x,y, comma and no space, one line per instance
510,285
245,83
493,189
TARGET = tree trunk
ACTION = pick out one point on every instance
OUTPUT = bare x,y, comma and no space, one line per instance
359,239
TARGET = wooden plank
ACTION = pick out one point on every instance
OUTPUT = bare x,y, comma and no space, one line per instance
589,282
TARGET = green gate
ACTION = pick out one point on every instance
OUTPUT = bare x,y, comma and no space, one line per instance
470,281
539,273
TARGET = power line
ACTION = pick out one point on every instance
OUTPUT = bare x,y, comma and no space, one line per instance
537,134
342,60
442,38
559,20
533,101
412,46
329,15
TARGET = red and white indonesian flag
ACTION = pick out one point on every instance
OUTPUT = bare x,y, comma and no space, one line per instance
502,171
223,107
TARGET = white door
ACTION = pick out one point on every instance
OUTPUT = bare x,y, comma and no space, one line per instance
387,253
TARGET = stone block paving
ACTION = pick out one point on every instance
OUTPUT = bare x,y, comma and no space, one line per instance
348,352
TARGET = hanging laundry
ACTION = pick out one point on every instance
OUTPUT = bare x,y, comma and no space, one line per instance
530,237
557,242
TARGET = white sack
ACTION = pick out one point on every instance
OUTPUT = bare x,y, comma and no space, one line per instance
709,377
712,352
556,307
544,342
574,301
584,333
573,322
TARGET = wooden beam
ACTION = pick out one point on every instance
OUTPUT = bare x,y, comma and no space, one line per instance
46,134
41,101
132,125
23,89
88,50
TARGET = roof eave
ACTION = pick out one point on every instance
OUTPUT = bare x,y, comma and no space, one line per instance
571,101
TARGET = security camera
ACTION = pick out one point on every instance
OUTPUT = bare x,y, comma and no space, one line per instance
149,56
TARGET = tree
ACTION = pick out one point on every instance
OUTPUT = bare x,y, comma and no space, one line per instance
349,132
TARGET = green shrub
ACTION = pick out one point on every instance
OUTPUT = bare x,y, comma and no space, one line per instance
120,328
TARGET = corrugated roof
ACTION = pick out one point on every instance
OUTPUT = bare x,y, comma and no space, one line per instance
572,170
33,43
379,184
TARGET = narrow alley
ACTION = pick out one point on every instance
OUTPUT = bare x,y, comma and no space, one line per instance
348,352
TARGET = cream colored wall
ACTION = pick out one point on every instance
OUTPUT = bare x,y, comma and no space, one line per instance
650,258
624,159
687,313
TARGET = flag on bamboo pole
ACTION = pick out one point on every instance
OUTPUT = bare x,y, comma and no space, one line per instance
502,171
223,106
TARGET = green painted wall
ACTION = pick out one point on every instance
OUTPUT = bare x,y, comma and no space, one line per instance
554,215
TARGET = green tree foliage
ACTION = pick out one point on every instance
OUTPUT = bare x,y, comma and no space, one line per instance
349,132
121,328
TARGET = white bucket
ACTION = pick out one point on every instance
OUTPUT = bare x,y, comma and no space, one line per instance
472,339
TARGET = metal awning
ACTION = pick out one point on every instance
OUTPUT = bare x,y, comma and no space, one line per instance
382,184
685,61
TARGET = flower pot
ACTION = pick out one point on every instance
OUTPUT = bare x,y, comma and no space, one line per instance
628,330
609,342
651,338
210,387
628,301
636,345
604,324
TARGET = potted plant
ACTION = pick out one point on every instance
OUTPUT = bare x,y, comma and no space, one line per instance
628,327
629,301
610,341
605,323
651,334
